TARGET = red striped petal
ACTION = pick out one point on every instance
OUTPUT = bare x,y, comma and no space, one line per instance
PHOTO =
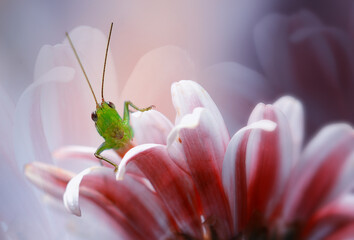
173,185
269,161
49,178
330,218
203,148
188,95
324,172
234,172
135,208
136,211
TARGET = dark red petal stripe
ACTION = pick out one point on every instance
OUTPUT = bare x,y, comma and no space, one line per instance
241,182
235,180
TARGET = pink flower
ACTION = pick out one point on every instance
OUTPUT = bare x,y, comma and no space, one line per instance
191,180
47,119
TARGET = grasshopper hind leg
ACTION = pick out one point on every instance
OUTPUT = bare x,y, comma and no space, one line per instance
100,157
127,111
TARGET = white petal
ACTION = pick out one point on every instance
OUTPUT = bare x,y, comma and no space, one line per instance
192,121
150,127
264,124
229,171
127,157
199,138
294,112
269,159
188,121
188,95
71,194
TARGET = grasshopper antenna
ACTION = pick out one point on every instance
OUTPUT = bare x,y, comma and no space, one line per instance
105,60
82,68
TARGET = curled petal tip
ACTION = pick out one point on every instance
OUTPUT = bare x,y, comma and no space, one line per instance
189,121
71,194
264,124
268,125
74,209
120,175
121,169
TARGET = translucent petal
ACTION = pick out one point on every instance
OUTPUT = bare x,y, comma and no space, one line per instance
150,81
150,127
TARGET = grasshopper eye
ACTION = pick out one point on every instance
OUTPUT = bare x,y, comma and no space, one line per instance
111,105
94,116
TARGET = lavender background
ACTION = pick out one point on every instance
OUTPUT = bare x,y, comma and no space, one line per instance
241,51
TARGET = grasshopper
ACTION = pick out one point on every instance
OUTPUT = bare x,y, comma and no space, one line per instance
115,130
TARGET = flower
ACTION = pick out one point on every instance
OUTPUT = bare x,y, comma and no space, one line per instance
191,180
46,119
299,54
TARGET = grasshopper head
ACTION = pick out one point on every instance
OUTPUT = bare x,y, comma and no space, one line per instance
102,110
105,117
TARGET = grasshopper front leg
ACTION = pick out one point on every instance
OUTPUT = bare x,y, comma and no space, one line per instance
127,111
98,155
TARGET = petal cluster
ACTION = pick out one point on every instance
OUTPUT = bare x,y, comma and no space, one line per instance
191,180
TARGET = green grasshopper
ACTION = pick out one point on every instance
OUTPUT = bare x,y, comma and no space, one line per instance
116,131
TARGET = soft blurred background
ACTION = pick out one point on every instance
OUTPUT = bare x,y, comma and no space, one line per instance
210,32
241,51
